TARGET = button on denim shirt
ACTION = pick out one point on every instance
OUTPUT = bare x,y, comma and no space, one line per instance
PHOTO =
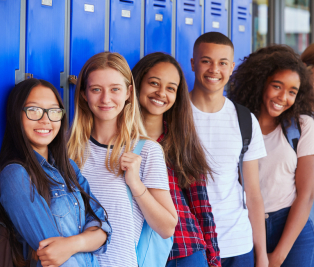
36,221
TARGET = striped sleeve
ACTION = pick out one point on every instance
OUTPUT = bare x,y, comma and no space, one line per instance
153,167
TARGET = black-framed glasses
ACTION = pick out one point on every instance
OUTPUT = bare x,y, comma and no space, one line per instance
36,113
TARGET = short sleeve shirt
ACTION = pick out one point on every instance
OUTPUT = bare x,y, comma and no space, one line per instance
277,170
220,134
110,190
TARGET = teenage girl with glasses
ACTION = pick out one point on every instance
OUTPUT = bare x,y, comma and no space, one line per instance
55,216
106,128
276,86
167,115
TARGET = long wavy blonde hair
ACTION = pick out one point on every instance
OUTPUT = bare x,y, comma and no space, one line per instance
129,124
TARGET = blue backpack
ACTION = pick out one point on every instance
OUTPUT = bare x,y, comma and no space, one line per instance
152,250
292,134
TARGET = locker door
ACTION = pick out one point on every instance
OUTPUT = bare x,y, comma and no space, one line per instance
87,37
189,28
9,53
158,15
45,26
125,29
241,29
216,16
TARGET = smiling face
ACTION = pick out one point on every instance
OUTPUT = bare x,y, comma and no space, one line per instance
213,64
41,133
280,92
158,90
106,93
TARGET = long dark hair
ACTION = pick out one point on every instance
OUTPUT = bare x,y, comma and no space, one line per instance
16,147
248,81
16,247
182,146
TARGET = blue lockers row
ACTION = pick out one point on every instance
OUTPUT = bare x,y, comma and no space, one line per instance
60,35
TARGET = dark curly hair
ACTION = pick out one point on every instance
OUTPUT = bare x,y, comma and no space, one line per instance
308,55
249,80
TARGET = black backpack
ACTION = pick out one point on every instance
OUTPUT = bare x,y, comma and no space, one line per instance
245,124
9,244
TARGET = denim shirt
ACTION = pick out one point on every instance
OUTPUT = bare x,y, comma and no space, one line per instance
36,221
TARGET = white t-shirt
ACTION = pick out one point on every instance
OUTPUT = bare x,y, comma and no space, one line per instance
110,190
277,170
220,134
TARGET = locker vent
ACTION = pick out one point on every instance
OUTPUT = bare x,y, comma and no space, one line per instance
159,3
189,5
242,13
216,8
127,1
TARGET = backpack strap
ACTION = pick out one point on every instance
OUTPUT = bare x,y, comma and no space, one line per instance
245,123
292,133
137,150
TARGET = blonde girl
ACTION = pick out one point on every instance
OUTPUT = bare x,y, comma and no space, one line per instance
106,128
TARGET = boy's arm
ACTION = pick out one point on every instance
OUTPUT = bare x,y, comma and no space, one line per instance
255,205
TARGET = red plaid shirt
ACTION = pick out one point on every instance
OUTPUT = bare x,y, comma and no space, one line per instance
195,230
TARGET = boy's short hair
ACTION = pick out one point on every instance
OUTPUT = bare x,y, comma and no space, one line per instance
214,38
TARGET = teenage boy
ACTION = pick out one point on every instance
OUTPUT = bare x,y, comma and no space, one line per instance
217,124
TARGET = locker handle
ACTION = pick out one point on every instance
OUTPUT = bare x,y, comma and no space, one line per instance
72,79
28,76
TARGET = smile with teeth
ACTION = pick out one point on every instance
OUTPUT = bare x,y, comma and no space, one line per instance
213,78
157,101
43,131
277,106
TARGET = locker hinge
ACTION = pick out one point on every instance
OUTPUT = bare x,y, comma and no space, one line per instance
201,2
28,76
72,79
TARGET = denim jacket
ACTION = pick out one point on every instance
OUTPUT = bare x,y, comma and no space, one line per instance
35,221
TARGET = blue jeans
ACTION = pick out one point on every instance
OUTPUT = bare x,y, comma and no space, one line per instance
246,260
197,259
302,252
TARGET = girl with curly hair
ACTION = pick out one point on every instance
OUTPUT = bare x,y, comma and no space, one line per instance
276,86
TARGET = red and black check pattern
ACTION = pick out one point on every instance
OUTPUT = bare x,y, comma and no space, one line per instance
196,228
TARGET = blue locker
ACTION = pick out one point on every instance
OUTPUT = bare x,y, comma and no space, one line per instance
188,29
9,53
241,27
45,26
158,22
216,16
87,37
125,29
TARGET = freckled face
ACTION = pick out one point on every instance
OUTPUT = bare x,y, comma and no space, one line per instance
158,90
280,92
42,132
106,93
213,64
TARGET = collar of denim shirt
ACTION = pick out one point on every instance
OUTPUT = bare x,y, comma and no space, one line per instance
42,160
